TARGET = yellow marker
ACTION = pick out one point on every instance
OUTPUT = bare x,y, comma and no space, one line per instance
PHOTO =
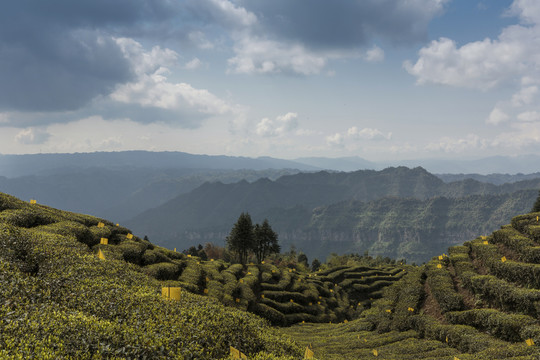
389,311
310,303
235,354
249,273
172,293
530,342
290,270
104,241
375,352
503,259
189,255
446,339
117,224
318,302
331,290
292,300
101,255
537,219
273,271
456,358
100,224
440,257
262,296
303,322
198,262
174,249
129,236
308,354
335,284
207,279
237,300
345,321
262,262
320,297
411,309
439,266
211,259
485,242
241,281
32,201
205,291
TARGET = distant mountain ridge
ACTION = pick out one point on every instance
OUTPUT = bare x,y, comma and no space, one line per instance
302,207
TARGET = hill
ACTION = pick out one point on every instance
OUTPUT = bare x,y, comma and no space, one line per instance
60,301
358,211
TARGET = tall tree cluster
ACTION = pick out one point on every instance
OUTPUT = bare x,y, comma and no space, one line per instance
536,206
246,238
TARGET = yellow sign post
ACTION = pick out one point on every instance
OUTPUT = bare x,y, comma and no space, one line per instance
529,342
100,224
129,236
101,255
32,201
308,354
172,293
503,259
104,241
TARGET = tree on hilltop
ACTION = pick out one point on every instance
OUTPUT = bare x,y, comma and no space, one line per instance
536,206
266,241
241,240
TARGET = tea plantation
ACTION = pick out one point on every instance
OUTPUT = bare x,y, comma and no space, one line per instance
58,299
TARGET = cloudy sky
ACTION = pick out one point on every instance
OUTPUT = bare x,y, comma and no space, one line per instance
379,79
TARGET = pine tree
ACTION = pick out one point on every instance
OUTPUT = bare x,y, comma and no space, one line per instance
536,206
241,239
266,241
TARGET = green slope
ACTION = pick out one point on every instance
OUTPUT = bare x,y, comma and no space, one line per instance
58,300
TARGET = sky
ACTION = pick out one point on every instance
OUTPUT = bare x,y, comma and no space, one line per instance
378,79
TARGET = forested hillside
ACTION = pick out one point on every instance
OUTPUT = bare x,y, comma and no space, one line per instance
396,212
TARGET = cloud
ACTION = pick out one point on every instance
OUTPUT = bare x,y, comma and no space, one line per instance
193,64
487,63
453,145
294,37
497,116
367,134
282,125
375,54
158,99
32,136
525,96
354,135
60,55
529,116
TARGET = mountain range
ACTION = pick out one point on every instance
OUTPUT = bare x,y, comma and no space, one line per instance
358,211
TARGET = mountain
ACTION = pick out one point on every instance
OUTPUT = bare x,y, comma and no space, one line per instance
358,211
351,163
119,193
496,179
31,164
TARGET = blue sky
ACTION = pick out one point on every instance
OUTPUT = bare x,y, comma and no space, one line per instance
379,79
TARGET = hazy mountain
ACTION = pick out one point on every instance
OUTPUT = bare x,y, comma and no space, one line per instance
19,165
497,179
305,210
351,163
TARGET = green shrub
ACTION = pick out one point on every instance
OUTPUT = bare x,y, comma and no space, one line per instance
163,271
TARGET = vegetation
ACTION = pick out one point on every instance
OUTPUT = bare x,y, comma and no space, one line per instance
59,300
536,206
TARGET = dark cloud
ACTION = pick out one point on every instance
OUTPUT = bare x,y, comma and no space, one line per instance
58,54
344,24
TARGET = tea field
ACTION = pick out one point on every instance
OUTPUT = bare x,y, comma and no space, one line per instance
59,299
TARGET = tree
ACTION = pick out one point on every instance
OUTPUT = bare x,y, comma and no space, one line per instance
315,265
241,240
536,206
266,241
302,259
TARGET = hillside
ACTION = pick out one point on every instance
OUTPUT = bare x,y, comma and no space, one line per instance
60,300
337,212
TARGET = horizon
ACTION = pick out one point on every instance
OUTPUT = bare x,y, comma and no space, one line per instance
430,79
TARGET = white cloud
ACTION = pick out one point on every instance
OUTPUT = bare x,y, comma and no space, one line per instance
452,145
193,64
152,89
335,140
375,54
282,125
367,134
525,96
524,134
32,136
257,55
488,63
231,14
529,116
497,116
